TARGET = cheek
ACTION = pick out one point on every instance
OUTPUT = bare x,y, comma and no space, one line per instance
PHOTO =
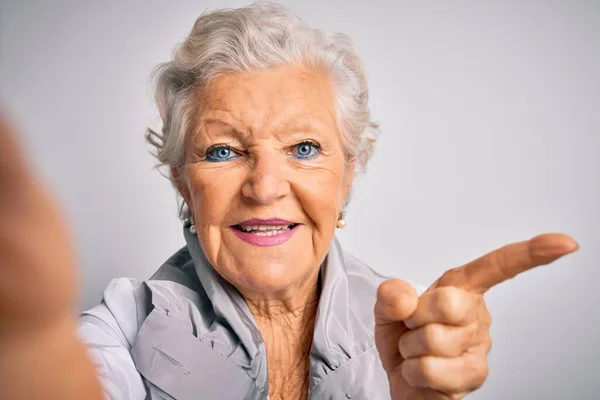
212,194
320,195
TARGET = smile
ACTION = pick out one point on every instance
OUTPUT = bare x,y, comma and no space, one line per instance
265,233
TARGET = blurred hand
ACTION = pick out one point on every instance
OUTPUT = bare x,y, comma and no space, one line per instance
40,356
435,346
36,259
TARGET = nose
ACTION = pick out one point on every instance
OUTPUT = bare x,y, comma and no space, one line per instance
266,182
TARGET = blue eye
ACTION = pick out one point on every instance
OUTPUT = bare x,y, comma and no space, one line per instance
306,150
220,153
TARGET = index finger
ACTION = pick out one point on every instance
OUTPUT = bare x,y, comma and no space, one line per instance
507,262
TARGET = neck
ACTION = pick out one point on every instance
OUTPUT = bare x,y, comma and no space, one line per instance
287,325
289,309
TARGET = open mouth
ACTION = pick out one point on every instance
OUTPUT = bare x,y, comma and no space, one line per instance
265,230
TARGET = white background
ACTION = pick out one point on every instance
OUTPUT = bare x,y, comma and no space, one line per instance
490,114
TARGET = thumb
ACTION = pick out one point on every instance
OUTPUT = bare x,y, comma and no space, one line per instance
396,301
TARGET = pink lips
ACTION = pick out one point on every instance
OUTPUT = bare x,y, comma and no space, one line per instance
265,241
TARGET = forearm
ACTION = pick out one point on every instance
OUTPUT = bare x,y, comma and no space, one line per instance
48,363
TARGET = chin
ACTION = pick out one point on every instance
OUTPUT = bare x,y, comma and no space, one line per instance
270,278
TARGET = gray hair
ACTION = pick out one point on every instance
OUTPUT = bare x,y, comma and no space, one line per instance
251,38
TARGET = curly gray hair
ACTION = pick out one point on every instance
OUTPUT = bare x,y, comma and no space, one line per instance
259,36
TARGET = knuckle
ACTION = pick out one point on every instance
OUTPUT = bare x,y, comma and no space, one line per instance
404,345
434,337
499,261
428,370
480,375
450,306
486,317
472,334
477,370
488,344
451,277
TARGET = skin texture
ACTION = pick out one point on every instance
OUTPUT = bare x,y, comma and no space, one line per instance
264,116
432,347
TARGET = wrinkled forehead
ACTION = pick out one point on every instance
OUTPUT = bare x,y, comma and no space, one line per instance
266,99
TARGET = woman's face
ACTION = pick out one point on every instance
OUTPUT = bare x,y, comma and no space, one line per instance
265,177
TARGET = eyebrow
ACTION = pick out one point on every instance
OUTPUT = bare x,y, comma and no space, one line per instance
298,123
301,123
220,118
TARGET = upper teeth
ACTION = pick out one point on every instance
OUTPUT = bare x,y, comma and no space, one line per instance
249,228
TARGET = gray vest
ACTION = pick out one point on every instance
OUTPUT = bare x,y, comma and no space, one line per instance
200,341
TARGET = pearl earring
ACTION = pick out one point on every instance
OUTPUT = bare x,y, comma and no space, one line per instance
341,222
192,225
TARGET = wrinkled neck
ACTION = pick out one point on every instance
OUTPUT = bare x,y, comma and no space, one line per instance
289,311
287,328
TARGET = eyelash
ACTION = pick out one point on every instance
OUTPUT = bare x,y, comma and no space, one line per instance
234,154
210,153
314,144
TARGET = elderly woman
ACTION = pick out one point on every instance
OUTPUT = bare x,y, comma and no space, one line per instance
265,124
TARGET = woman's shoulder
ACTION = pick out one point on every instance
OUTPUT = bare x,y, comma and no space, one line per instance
127,302
121,312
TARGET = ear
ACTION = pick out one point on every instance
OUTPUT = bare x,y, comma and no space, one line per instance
178,179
